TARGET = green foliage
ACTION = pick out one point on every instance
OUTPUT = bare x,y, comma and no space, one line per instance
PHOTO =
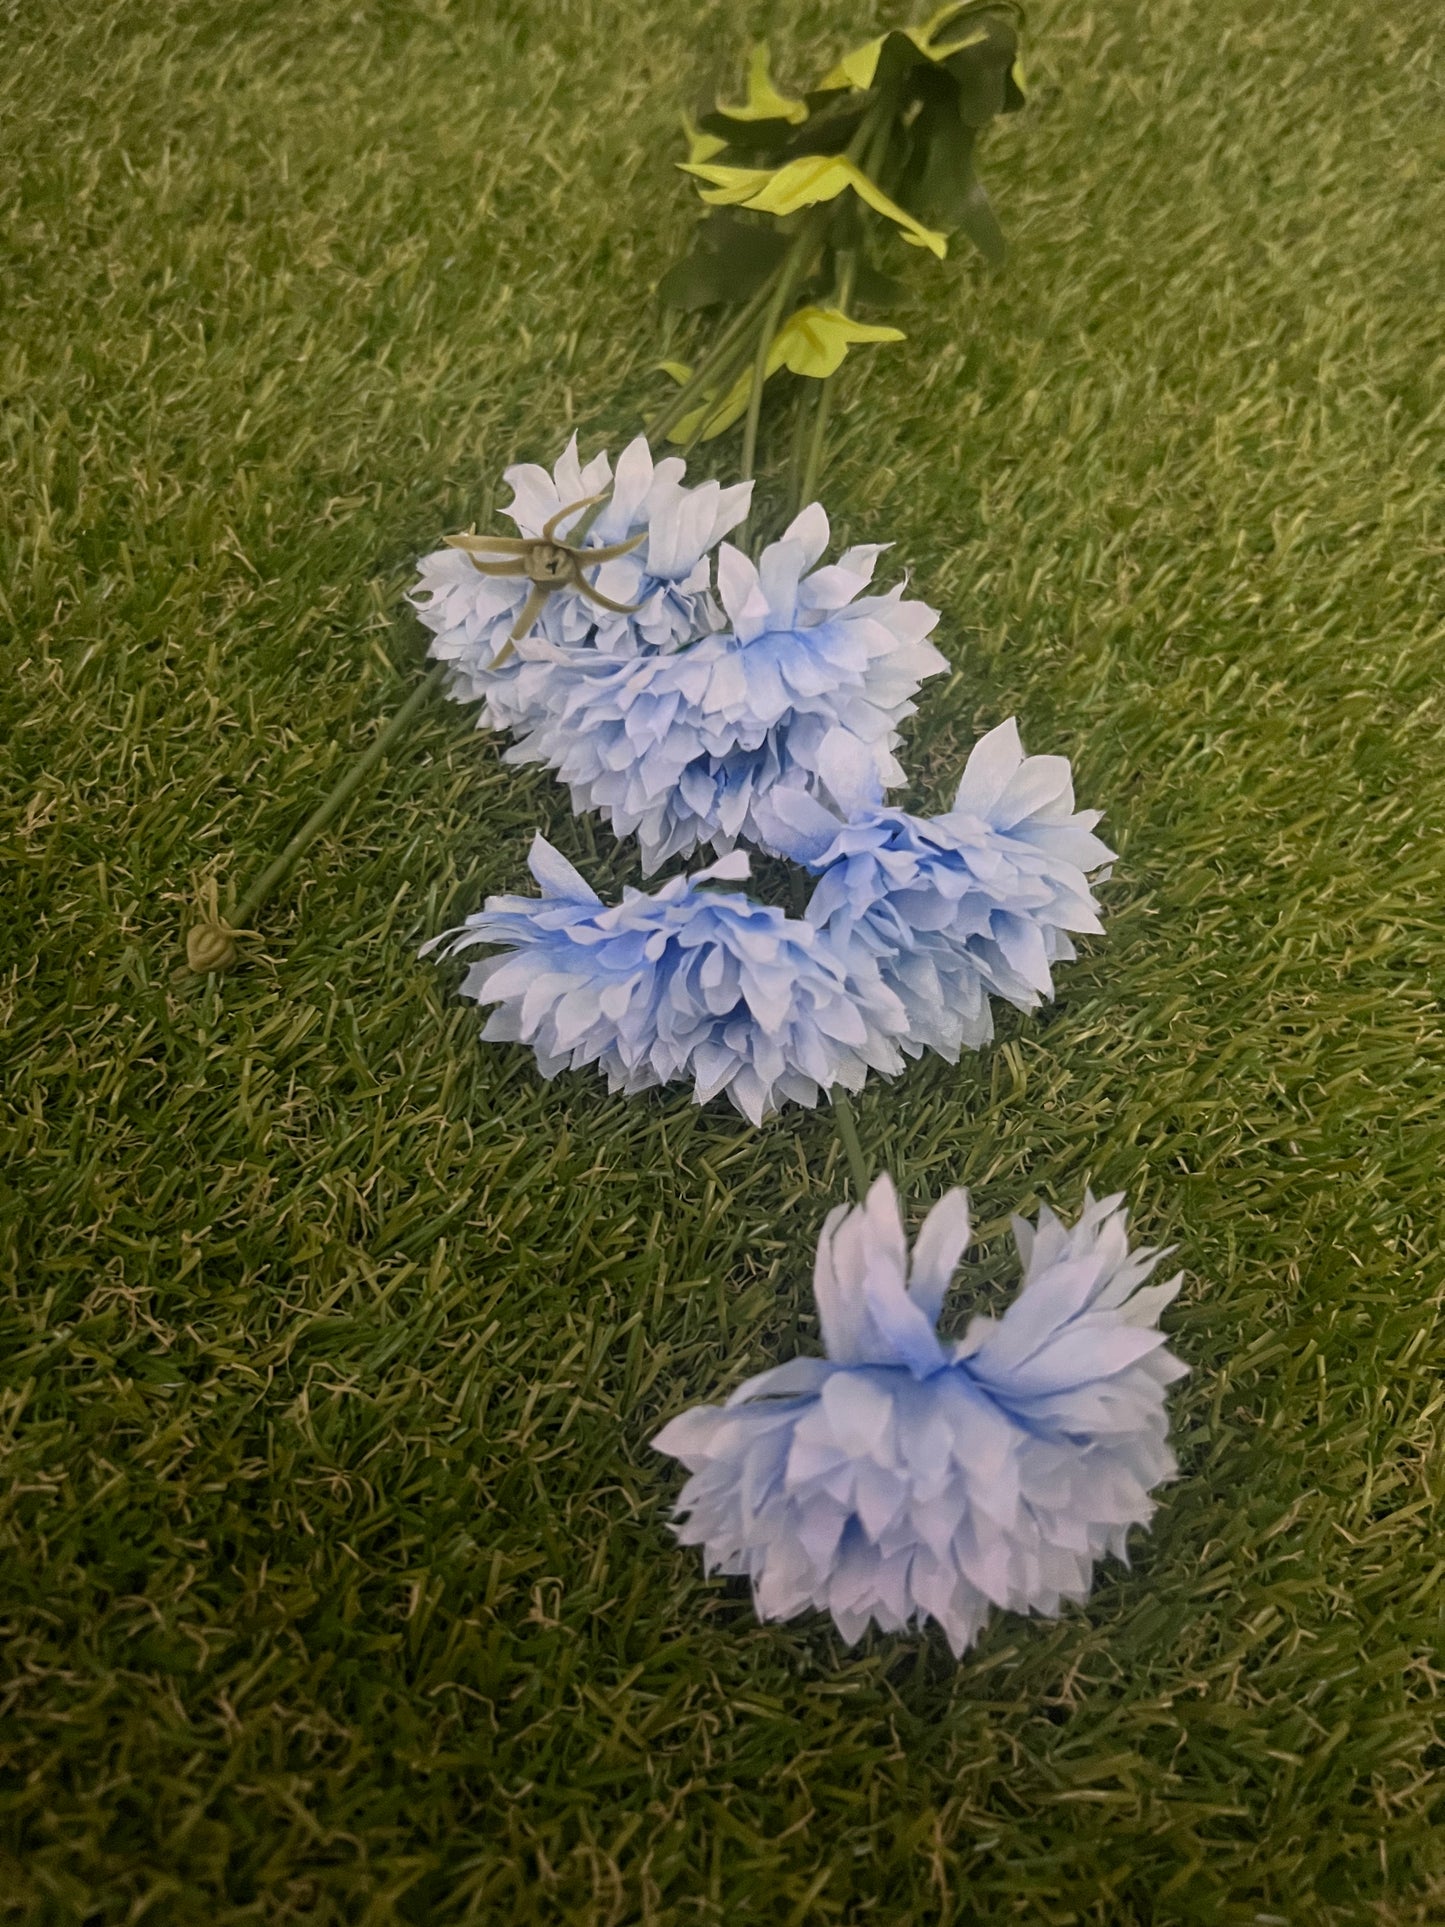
921,95
938,182
812,342
334,1583
730,260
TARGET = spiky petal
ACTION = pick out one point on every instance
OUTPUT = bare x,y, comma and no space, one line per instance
682,750
904,1477
955,909
471,615
685,983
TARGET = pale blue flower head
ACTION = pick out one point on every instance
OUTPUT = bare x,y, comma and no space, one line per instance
681,750
906,1477
669,576
955,909
685,983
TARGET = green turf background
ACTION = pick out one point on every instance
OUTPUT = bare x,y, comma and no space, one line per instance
335,1581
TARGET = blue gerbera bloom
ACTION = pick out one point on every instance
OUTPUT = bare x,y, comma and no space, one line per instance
668,577
954,909
906,1477
682,749
688,983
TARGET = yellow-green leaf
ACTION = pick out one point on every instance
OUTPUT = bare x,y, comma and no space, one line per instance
926,38
858,68
814,340
855,69
811,342
764,102
803,183
700,146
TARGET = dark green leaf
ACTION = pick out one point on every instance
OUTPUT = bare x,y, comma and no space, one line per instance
939,158
982,73
833,119
728,262
898,58
748,136
939,185
977,220
874,289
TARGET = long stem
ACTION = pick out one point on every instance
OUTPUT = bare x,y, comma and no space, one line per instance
792,268
798,443
808,481
209,945
726,370
874,136
720,352
869,143
848,1136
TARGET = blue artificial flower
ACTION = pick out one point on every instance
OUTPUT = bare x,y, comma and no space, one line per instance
668,577
683,983
958,908
906,1477
681,749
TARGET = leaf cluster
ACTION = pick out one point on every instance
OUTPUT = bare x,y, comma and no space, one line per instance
918,98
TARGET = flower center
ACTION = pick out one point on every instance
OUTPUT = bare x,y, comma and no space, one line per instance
548,562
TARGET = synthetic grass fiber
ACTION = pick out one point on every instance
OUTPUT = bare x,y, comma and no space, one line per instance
336,1580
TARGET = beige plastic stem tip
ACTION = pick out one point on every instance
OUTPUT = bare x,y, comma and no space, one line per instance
211,947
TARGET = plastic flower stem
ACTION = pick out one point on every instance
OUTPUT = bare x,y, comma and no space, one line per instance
582,527
723,374
882,133
772,321
718,358
871,139
797,446
848,1137
276,872
808,482
722,356
210,946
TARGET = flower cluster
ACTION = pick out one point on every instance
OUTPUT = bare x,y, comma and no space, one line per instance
667,577
685,983
958,908
682,749
702,700
749,703
905,1477
699,699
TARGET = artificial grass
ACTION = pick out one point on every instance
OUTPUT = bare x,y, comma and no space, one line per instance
336,1583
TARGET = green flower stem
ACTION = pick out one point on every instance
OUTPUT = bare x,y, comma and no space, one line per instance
875,134
880,133
847,1125
582,527
871,140
798,442
807,482
812,466
211,946
740,352
725,350
792,271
